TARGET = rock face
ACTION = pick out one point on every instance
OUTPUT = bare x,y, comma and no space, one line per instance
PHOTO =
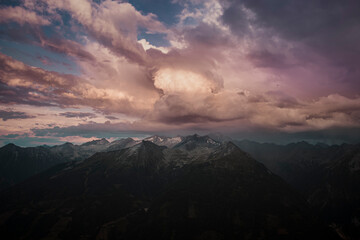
200,189
327,176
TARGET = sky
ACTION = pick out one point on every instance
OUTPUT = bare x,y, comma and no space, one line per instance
271,71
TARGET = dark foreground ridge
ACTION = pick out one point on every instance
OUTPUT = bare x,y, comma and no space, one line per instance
201,189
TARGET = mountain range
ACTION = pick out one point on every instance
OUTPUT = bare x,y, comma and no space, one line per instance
184,187
18,164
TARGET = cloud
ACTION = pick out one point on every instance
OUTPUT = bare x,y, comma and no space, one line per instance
309,27
9,114
24,84
92,129
181,81
279,66
264,59
111,117
22,16
113,24
78,115
273,110
10,136
65,46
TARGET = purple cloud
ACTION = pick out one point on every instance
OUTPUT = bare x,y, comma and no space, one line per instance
9,114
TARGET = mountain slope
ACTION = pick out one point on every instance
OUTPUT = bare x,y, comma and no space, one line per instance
139,193
328,177
18,164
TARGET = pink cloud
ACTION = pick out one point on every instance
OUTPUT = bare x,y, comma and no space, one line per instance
215,74
21,16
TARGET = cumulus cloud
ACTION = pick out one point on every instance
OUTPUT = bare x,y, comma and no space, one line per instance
232,64
114,24
39,87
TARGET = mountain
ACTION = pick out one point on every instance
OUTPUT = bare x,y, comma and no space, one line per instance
18,164
121,143
195,141
327,176
142,192
219,137
100,142
164,141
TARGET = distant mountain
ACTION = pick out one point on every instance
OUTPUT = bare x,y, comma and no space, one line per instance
328,176
142,192
219,137
100,142
164,141
195,142
121,143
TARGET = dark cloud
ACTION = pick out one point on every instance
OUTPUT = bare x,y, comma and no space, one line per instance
330,23
265,58
236,17
78,115
9,114
111,117
10,136
207,36
282,100
65,46
21,95
90,129
191,118
329,28
178,109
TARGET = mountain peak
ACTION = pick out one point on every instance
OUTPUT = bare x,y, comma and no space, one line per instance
164,141
102,141
10,146
149,144
194,141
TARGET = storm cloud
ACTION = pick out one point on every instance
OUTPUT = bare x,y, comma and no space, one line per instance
278,66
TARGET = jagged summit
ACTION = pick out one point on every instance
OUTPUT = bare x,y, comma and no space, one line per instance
102,141
121,143
194,141
164,141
